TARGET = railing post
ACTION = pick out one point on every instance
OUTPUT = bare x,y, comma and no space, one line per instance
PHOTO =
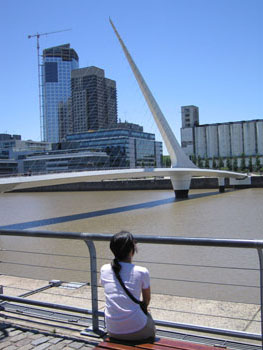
260,255
93,284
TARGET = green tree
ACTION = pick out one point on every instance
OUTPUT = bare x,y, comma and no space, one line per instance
243,162
220,163
250,165
258,164
193,158
229,164
166,161
235,165
199,162
214,165
207,163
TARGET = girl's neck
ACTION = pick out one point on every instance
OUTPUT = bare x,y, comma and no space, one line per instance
128,260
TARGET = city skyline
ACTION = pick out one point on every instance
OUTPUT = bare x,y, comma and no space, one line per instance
199,53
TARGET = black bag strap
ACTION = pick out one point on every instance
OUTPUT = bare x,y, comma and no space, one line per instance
125,289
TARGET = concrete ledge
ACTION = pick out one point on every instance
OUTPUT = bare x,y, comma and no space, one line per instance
244,182
147,184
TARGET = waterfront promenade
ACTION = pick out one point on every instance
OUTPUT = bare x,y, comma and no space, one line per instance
27,328
208,287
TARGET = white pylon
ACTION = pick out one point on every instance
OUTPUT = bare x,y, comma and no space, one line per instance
178,158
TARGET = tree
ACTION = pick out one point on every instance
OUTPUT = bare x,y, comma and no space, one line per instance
207,163
235,165
229,164
166,161
214,165
250,165
193,158
258,164
220,163
243,162
199,162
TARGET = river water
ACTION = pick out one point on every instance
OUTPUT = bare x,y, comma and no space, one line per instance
213,273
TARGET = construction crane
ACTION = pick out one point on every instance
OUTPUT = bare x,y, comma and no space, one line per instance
38,35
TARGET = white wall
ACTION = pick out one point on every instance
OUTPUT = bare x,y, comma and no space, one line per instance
249,132
187,137
224,140
259,132
212,141
236,132
200,141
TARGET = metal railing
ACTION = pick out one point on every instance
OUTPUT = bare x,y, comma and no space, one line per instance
90,238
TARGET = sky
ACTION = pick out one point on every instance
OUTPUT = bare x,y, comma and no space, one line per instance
206,53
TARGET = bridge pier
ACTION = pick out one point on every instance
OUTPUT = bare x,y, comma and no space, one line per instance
181,185
221,184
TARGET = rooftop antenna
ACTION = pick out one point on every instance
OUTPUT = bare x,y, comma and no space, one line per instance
38,35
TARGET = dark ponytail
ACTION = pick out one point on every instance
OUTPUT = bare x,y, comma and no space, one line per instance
121,245
116,266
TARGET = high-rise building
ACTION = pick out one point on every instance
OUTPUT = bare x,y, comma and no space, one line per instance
58,62
190,119
94,100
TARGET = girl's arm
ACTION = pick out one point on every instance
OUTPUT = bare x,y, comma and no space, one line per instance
146,295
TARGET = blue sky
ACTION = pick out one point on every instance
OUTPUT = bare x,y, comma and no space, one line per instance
202,52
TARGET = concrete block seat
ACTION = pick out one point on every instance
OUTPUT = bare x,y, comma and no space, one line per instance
158,344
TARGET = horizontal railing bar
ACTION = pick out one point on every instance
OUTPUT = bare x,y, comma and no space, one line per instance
186,265
204,282
196,265
44,304
49,318
42,253
135,261
184,326
192,241
54,325
48,293
42,266
211,330
195,313
153,277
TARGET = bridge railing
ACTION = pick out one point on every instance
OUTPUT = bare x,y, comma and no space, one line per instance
91,238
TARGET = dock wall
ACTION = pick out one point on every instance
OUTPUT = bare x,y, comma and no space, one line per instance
138,184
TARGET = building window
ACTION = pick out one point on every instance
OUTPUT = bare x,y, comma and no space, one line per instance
51,72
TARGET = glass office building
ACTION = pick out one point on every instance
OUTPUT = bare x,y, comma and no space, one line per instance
58,62
59,161
126,148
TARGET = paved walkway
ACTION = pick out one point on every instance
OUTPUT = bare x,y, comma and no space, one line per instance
207,313
27,329
13,338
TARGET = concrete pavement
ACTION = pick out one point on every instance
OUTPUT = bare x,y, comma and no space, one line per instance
62,331
13,337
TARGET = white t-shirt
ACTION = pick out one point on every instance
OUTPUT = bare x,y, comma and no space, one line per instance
123,315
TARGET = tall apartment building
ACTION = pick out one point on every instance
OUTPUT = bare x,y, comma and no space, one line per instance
58,62
225,140
94,100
